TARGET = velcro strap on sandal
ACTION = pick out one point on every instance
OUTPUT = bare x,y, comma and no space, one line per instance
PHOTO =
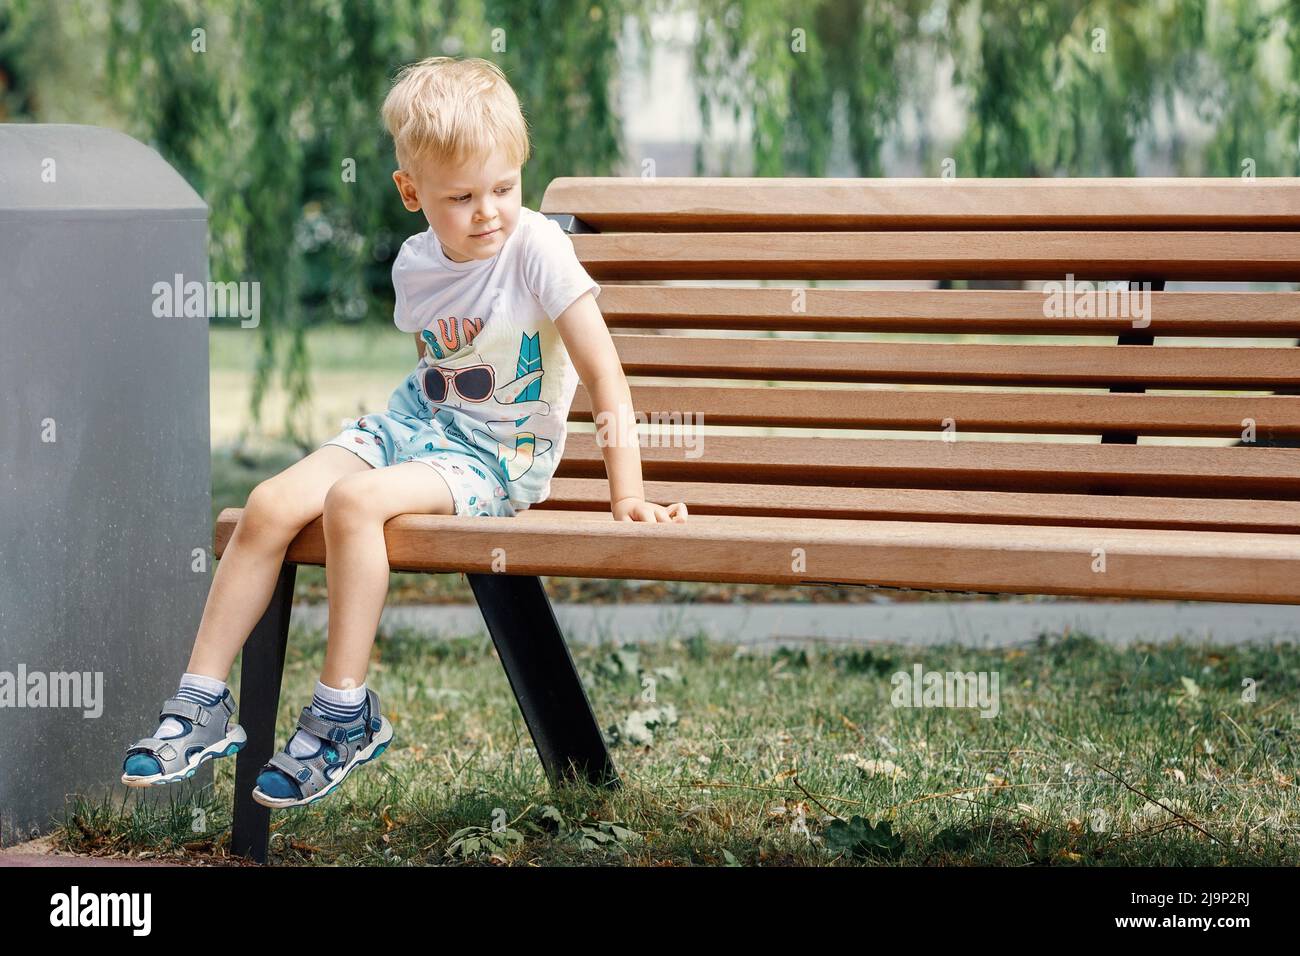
292,766
331,731
155,746
180,707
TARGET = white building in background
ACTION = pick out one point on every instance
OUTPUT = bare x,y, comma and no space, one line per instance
659,105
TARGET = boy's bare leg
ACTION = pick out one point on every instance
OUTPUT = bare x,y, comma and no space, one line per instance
356,568
277,509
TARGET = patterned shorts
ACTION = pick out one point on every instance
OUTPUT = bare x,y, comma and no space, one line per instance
386,438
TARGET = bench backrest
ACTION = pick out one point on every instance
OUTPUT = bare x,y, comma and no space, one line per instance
870,399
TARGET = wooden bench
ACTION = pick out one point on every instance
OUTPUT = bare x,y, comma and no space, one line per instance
874,491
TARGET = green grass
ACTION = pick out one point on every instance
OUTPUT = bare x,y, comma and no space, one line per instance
383,351
1091,751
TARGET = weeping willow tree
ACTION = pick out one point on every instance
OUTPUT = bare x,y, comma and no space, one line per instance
265,107
1068,88
793,67
1052,87
273,115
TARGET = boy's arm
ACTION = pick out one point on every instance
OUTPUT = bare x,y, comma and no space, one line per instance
592,351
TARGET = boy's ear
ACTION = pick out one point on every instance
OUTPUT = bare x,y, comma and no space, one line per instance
406,189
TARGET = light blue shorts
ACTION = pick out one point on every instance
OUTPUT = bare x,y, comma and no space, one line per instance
392,437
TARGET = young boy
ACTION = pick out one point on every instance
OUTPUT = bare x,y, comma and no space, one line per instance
506,322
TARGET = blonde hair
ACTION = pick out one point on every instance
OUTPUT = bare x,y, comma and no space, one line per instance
451,111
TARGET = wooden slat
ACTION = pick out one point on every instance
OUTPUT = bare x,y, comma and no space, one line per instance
1192,565
1256,314
1238,472
1015,412
1204,256
820,360
911,504
636,204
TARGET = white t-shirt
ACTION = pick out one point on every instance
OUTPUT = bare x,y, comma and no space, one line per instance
500,313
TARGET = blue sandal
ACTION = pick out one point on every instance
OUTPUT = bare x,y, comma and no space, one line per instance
289,781
207,733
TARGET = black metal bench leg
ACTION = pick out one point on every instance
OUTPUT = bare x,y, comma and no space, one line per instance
542,675
259,699
1136,337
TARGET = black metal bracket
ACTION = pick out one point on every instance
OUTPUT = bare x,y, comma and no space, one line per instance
571,223
1134,337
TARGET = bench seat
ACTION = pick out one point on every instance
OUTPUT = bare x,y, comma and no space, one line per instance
932,555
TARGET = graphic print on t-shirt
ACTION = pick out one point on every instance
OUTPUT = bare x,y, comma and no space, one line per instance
461,377
451,335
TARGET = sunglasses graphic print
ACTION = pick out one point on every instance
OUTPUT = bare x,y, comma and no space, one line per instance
473,383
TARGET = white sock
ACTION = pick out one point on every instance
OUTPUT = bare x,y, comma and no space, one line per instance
332,703
195,687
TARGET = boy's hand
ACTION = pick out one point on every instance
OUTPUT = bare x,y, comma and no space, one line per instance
638,509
